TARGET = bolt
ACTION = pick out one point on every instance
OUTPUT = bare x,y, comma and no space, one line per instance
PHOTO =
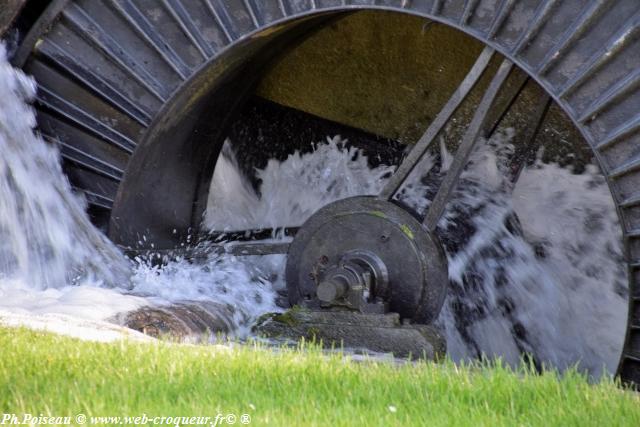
384,238
324,260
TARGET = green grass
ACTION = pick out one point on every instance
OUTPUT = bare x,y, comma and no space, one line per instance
47,374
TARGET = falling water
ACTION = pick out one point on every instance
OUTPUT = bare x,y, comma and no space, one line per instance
46,239
533,268
54,262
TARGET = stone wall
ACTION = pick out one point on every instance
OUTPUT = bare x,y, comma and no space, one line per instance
389,74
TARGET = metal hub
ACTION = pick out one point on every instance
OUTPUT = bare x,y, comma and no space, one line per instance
369,255
358,281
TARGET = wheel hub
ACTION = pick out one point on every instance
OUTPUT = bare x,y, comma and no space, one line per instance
369,255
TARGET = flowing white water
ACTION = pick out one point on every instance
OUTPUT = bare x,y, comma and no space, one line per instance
54,262
552,284
537,268
291,190
45,237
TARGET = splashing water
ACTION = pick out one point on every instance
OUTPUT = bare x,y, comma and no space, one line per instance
517,283
53,261
46,239
531,270
240,283
538,270
292,190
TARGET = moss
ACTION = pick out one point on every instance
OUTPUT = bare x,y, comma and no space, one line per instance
289,317
390,74
264,318
406,230
379,214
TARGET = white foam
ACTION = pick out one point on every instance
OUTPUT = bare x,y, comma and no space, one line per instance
575,219
246,286
82,301
72,326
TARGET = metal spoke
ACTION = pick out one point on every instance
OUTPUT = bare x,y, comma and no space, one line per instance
247,235
528,147
474,130
245,249
202,252
238,243
505,100
421,147
245,242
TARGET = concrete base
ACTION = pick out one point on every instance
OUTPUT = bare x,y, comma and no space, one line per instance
382,333
195,321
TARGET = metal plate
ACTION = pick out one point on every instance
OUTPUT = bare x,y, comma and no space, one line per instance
414,258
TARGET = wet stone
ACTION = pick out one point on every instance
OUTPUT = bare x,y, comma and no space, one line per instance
382,333
186,320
